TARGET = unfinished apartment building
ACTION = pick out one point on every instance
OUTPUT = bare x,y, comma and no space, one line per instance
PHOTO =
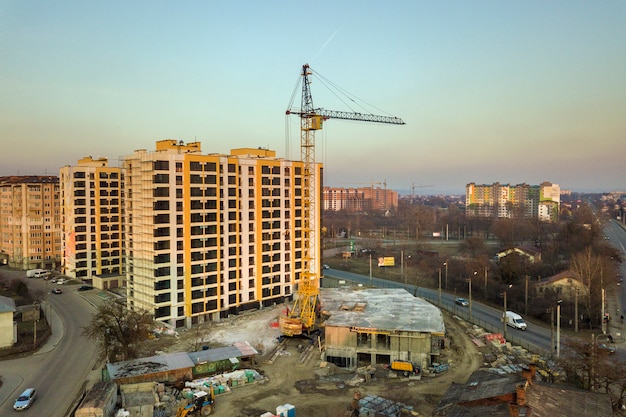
376,326
208,235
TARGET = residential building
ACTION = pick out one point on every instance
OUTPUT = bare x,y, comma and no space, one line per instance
360,200
211,235
530,254
30,221
513,201
91,198
566,285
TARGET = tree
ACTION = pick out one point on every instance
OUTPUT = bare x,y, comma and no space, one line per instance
590,269
118,330
594,369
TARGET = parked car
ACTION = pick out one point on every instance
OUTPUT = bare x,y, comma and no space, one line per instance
85,288
57,291
326,266
608,348
26,399
62,281
462,302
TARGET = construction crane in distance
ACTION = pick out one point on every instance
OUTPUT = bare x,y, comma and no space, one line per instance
413,187
302,316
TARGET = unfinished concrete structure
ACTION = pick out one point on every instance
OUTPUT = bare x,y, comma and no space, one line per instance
379,326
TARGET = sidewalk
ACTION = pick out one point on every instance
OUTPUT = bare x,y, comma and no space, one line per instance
615,326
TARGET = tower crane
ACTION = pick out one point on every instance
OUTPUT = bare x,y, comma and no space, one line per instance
303,315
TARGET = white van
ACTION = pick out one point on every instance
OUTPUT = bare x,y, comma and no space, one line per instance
515,320
37,273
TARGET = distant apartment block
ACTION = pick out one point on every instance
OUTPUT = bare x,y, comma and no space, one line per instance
30,221
207,235
513,201
360,200
91,198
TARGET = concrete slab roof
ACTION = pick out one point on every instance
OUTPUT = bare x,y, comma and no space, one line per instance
385,309
150,365
237,350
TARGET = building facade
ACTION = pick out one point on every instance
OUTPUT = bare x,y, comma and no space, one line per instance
30,221
210,235
360,200
513,201
91,198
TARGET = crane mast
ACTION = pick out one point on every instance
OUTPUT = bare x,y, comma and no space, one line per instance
304,312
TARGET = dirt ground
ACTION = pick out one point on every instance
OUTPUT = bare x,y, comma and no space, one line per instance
294,375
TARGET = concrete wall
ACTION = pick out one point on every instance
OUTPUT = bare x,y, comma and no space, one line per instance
6,329
343,346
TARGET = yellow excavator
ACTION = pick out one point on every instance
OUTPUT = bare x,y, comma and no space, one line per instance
202,405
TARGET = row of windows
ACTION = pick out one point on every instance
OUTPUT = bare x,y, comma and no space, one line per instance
102,175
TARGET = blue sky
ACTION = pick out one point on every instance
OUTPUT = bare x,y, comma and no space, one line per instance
491,91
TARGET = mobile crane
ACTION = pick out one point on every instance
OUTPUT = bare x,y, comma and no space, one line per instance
303,315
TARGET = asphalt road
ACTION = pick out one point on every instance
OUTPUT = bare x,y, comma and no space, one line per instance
537,338
60,368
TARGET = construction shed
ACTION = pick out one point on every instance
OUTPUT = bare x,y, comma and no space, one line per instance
99,401
171,367
378,326
221,359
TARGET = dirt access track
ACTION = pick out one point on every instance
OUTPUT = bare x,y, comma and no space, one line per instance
294,373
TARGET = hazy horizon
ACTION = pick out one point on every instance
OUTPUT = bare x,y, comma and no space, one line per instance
509,92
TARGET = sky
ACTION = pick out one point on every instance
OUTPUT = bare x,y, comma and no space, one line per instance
491,91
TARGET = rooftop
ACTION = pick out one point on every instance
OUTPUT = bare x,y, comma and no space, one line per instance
383,309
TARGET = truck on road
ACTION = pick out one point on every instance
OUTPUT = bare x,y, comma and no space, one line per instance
405,368
515,320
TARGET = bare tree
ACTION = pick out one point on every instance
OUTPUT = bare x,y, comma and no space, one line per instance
589,268
118,330
594,369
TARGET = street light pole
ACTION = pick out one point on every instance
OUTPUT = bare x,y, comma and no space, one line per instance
504,317
552,328
446,265
576,312
470,295
558,328
504,313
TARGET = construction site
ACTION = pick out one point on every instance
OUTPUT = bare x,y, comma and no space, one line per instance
328,352
275,371
369,361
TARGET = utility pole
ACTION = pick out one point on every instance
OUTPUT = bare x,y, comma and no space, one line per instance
370,269
439,287
486,269
446,265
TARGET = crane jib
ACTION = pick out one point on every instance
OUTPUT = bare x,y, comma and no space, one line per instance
342,115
